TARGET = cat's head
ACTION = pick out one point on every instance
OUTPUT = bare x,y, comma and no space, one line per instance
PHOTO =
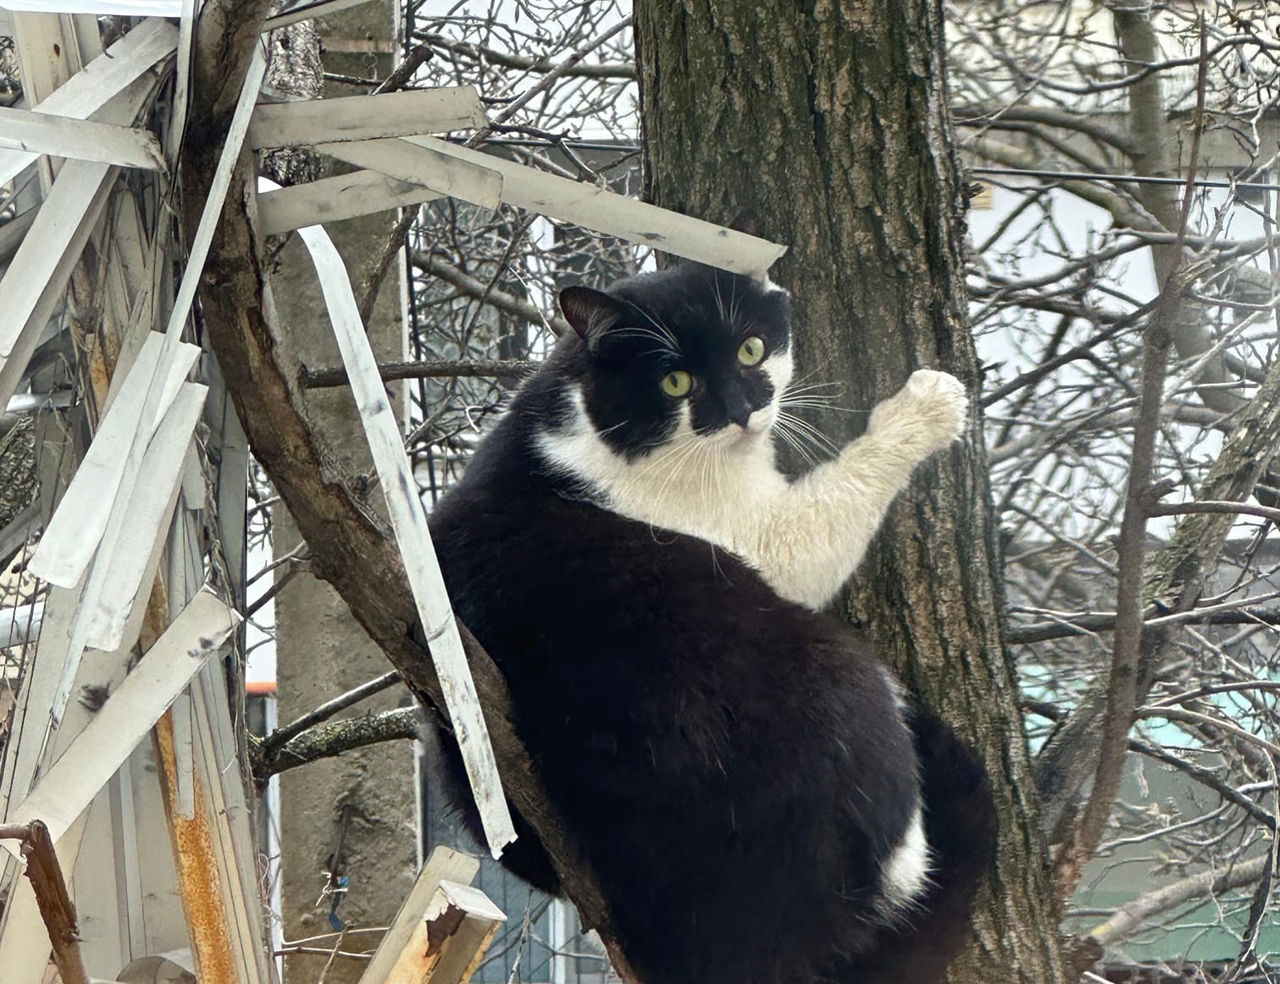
681,354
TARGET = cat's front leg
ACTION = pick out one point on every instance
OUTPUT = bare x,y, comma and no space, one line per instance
817,531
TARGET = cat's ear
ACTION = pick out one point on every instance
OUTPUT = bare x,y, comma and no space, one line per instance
590,312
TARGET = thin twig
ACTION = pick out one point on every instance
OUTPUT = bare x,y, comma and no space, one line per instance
329,708
430,369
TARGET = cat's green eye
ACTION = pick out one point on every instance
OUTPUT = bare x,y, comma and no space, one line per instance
677,383
751,351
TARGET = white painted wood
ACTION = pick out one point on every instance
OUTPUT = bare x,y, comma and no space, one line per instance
30,724
88,38
176,123
44,54
159,390
409,523
448,175
49,248
100,81
451,959
616,215
64,791
122,8
63,226
391,114
146,518
18,626
344,196
444,864
84,140
77,526
220,776
307,11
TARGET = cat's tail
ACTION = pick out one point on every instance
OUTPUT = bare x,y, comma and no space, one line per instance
960,828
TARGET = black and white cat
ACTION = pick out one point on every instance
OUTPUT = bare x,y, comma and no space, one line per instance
757,798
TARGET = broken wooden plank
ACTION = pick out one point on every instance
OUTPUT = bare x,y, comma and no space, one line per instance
146,518
62,226
469,181
82,140
344,196
67,788
450,940
570,201
77,525
444,864
50,249
99,82
409,526
390,114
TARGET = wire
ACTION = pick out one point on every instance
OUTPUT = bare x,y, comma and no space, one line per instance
1133,178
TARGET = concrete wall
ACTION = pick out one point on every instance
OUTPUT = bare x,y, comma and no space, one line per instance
356,811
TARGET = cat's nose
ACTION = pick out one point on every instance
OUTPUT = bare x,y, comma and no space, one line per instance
738,411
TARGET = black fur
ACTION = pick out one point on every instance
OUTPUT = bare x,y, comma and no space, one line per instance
732,764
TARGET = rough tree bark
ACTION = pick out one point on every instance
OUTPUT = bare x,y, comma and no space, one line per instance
828,120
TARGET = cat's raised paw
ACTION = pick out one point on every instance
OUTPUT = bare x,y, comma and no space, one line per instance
930,410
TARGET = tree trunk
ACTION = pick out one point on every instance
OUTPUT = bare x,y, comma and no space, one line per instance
828,121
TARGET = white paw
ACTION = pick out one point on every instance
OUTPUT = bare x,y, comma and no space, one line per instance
929,411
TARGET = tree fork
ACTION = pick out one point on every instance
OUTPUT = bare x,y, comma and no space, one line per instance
835,134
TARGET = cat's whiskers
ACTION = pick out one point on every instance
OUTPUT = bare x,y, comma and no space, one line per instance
666,343
662,328
801,432
819,439
783,430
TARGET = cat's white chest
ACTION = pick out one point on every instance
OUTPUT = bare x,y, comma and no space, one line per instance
715,488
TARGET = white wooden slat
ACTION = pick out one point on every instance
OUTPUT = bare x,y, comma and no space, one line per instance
50,249
63,225
147,517
474,183
444,864
44,56
183,753
220,776
19,625
6,23
122,8
100,81
176,124
409,523
391,114
101,908
77,525
157,394
84,140
616,215
30,717
344,196
88,38
126,717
